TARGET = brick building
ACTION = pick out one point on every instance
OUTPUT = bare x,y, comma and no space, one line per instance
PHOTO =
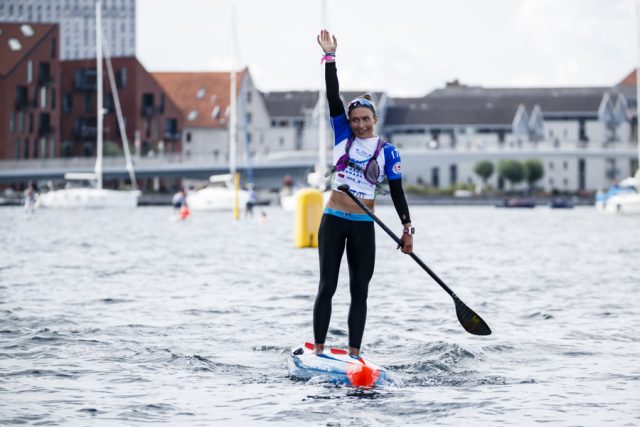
29,91
148,112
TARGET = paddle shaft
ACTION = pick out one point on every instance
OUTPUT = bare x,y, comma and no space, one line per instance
399,242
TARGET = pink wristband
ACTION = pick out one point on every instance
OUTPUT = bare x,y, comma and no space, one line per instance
327,58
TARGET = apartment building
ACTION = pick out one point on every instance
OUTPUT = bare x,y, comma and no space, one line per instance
29,91
153,122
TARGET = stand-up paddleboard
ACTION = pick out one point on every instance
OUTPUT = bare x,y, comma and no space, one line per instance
336,366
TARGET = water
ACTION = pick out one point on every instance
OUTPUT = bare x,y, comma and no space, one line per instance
122,318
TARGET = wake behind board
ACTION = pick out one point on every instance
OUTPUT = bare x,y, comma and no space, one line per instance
335,365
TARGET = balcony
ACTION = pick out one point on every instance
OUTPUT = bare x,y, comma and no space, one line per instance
85,128
148,111
85,80
172,136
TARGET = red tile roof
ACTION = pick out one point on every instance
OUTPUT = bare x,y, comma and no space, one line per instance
203,97
630,80
9,58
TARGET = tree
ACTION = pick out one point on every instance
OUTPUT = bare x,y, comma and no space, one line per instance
484,170
512,171
533,171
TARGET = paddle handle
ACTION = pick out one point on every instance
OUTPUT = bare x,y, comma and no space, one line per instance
345,188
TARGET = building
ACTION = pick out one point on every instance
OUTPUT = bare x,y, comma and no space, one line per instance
29,91
205,101
153,121
292,114
581,135
76,20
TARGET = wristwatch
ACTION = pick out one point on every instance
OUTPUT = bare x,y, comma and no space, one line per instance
410,230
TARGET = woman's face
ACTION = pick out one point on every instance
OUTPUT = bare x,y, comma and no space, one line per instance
362,120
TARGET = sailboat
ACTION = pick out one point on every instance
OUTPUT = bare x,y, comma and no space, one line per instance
96,196
227,196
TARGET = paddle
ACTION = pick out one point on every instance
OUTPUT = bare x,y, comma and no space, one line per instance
469,320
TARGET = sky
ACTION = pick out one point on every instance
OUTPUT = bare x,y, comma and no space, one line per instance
403,47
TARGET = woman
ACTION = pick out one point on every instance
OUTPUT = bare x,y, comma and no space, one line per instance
363,161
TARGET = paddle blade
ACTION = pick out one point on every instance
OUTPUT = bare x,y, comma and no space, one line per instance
469,320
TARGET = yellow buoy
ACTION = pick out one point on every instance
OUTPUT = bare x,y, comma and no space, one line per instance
307,217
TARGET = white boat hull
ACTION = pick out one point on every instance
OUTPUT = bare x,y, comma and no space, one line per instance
89,198
216,198
625,203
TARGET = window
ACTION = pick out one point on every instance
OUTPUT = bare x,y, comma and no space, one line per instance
44,73
26,148
249,96
67,102
12,122
43,98
188,137
565,165
247,118
88,102
52,147
17,149
30,122
29,71
53,98
121,78
14,44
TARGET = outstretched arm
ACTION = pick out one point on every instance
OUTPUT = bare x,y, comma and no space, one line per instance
329,44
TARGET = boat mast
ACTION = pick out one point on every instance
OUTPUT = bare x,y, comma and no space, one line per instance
233,138
123,130
99,110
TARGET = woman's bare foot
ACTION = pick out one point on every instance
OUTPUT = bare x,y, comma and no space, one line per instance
355,352
319,348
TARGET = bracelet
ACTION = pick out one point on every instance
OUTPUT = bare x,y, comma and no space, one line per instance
328,57
409,230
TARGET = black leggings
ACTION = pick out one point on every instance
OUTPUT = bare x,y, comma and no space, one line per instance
361,253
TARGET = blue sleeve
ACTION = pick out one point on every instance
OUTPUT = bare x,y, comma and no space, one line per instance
392,168
341,128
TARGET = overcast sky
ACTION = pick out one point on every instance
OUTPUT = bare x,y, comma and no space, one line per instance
404,47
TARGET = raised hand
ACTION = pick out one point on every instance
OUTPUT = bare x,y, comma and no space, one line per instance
327,42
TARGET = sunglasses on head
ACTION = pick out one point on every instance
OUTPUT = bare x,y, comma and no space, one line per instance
361,102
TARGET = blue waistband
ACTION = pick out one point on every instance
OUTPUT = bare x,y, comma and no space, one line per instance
348,215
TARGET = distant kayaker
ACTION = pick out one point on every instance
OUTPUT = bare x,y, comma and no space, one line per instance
362,160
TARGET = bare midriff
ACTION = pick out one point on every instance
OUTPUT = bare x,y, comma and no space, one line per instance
340,201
